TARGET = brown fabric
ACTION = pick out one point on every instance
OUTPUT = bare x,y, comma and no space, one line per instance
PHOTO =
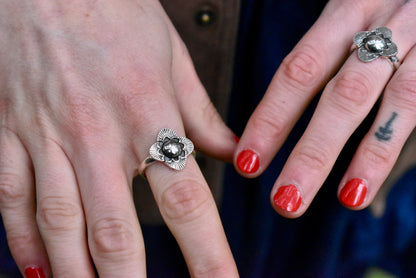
211,44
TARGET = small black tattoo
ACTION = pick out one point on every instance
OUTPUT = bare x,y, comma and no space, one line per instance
385,132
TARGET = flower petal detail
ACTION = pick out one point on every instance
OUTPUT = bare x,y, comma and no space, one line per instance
383,31
360,36
177,165
390,51
166,132
366,56
155,154
188,146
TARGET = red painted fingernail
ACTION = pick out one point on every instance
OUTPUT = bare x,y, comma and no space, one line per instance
353,193
34,272
236,139
288,198
248,161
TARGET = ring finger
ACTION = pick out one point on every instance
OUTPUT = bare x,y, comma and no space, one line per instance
379,150
186,203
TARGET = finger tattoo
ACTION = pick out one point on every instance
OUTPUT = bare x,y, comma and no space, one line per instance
384,133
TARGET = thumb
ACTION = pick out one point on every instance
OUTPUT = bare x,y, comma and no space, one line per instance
203,124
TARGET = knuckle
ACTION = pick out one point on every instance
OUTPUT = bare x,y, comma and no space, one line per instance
112,236
302,68
350,91
267,121
86,116
129,101
20,240
41,120
136,92
212,270
10,193
376,154
140,103
58,214
184,200
312,158
403,91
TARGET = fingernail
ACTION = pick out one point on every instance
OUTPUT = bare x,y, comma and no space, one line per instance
353,193
248,161
34,272
236,139
288,198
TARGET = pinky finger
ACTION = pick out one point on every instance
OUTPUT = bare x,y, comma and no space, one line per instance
17,207
381,147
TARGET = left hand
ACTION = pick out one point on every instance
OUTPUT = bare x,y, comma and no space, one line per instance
346,100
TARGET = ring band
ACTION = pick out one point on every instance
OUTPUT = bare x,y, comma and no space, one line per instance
376,43
170,149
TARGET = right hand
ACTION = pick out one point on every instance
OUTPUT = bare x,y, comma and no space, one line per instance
323,58
85,87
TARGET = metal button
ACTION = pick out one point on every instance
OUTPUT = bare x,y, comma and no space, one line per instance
205,16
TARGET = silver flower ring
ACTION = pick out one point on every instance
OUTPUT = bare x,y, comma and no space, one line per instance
169,149
376,43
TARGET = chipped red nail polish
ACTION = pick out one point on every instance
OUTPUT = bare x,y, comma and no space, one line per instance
288,198
236,139
353,193
34,272
248,161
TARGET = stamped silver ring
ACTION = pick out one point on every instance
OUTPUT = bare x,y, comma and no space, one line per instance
169,149
376,43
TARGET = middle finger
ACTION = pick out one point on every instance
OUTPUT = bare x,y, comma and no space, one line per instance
186,203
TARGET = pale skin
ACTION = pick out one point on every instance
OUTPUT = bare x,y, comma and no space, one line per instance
85,86
322,59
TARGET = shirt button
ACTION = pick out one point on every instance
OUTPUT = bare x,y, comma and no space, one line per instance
205,16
